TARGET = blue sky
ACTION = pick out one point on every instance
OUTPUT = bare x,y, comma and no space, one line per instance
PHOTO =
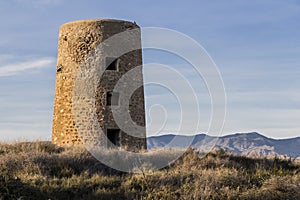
255,44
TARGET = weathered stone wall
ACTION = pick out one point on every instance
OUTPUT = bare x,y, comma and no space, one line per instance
76,41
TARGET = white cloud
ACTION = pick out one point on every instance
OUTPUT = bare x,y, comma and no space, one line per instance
16,68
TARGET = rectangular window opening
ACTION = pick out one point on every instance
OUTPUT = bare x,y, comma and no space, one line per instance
112,98
112,64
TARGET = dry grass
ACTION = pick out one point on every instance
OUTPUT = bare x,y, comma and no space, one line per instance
41,170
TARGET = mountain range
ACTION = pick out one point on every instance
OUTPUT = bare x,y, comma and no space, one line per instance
246,144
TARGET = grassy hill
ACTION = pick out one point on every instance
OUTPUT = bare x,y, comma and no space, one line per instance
41,170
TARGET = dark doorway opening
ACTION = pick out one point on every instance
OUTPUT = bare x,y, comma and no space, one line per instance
113,135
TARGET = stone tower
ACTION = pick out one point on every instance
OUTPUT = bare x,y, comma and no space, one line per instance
77,41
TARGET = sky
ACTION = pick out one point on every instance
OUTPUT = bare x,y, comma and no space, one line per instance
255,45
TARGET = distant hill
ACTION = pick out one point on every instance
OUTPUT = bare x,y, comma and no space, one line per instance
247,144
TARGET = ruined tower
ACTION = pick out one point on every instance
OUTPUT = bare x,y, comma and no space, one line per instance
77,40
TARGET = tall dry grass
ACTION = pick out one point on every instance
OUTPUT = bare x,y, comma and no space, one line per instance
41,170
